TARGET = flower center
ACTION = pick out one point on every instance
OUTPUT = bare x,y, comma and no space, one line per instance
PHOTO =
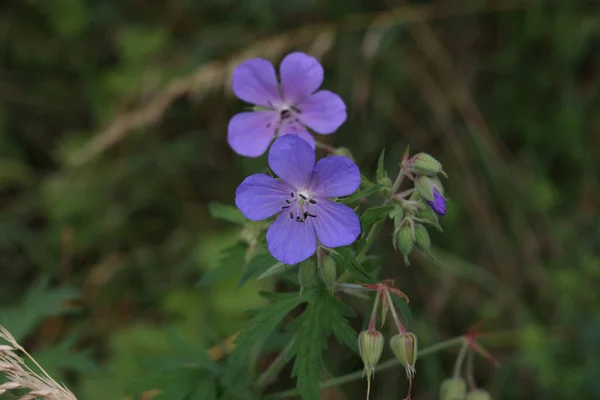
300,206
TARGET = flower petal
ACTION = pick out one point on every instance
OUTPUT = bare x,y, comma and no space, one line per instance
255,81
292,159
335,176
323,112
259,196
249,133
294,128
336,224
301,76
289,241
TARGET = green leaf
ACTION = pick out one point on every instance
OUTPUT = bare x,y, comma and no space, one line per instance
346,257
362,194
374,215
226,213
323,315
65,356
39,303
262,265
380,166
256,331
232,261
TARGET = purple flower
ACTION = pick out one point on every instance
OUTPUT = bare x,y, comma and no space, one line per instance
439,203
282,108
300,197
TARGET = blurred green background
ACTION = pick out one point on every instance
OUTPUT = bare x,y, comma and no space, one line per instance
113,119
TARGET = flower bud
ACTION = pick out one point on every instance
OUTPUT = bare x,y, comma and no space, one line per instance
328,271
437,184
343,151
422,237
479,394
424,187
306,272
405,242
385,181
425,164
453,389
404,347
438,204
370,347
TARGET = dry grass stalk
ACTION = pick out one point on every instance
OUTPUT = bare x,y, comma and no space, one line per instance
20,376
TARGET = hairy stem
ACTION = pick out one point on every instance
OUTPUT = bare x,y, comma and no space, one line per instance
383,366
373,320
390,301
460,359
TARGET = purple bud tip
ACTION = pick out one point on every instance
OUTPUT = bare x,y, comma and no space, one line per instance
438,204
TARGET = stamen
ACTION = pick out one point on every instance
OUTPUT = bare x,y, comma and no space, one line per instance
301,195
312,215
312,201
284,207
292,194
305,214
287,201
291,215
285,114
296,109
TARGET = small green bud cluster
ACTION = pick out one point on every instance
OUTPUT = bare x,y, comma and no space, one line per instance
421,208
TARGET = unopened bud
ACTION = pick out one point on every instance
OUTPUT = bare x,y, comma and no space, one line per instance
438,204
370,347
404,347
453,389
385,181
479,394
328,271
425,164
422,237
343,151
397,214
437,184
424,187
306,272
405,242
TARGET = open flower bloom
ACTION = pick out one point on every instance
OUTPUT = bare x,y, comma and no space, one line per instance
282,108
300,197
438,204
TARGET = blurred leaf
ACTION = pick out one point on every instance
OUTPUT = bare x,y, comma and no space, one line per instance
231,262
64,357
263,265
346,257
40,302
226,213
373,215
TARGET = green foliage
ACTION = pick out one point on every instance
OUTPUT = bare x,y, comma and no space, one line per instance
39,303
374,215
255,332
226,213
346,257
324,314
